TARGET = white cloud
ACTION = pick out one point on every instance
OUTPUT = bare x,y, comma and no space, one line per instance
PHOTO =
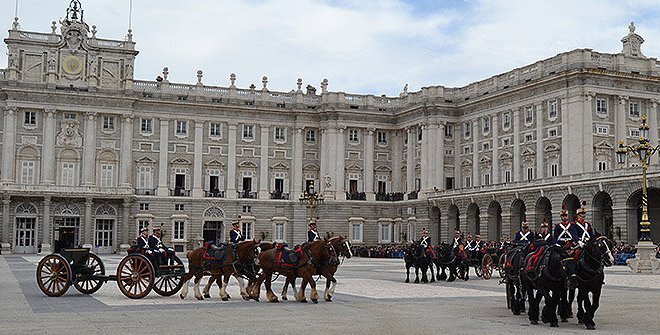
360,46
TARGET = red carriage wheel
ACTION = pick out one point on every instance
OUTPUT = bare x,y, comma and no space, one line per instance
89,282
135,276
170,282
487,266
54,275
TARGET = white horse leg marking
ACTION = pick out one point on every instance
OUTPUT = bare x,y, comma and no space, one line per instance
332,288
184,290
223,289
207,287
198,295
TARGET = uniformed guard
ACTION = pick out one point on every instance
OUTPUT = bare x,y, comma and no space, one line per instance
458,239
583,231
544,235
524,235
313,233
235,236
563,230
142,241
156,245
426,239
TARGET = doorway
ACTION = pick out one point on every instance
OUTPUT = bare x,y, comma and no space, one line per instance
214,231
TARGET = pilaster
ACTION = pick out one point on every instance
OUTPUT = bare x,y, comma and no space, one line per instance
48,152
6,227
653,128
263,163
340,183
369,165
231,162
410,161
163,162
88,231
45,227
439,163
296,166
516,146
495,128
620,122
475,153
198,191
539,142
9,146
126,164
587,134
126,210
89,151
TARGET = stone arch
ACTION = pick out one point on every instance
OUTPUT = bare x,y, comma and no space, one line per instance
494,221
454,218
473,219
214,212
69,154
105,210
434,223
634,214
107,155
603,214
28,152
571,204
543,211
518,211
26,208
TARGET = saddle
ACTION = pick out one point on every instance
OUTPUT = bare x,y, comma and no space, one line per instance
287,257
216,254
532,260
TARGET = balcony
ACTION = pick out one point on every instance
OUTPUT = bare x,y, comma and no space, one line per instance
145,191
246,194
179,192
277,195
356,196
214,194
413,195
392,196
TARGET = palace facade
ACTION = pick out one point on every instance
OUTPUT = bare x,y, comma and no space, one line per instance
90,154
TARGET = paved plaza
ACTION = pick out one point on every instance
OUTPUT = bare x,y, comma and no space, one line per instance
371,298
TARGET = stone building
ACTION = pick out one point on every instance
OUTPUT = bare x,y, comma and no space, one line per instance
90,154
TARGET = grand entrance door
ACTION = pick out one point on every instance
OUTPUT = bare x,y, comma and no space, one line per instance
25,233
214,231
67,232
103,238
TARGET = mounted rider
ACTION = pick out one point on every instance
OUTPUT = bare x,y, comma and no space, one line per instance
563,231
583,231
426,239
458,239
235,236
542,239
524,236
313,233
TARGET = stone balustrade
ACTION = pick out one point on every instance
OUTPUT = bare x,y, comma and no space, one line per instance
40,190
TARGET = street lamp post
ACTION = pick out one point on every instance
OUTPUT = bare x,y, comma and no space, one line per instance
643,151
312,200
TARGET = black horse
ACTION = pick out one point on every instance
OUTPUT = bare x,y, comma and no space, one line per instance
513,267
548,279
416,257
596,254
447,258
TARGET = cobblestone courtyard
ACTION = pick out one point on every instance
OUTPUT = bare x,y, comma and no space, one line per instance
371,299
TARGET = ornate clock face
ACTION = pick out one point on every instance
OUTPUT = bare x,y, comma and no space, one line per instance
72,65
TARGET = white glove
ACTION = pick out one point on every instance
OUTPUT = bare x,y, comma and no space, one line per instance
580,244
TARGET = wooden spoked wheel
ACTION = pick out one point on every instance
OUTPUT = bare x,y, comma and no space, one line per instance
89,282
135,276
54,275
478,269
487,266
171,282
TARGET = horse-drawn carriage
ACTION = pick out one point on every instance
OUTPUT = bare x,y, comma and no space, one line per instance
481,261
137,274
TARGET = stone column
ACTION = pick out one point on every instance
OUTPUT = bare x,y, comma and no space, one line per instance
495,128
198,173
424,159
410,161
620,122
88,241
264,192
89,151
565,138
328,162
397,151
458,174
587,134
439,163
45,227
539,142
340,171
9,147
163,163
48,152
516,146
231,162
653,128
297,175
6,226
126,164
475,153
369,165
126,210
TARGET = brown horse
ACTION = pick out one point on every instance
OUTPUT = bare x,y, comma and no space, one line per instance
197,266
314,254
251,275
327,269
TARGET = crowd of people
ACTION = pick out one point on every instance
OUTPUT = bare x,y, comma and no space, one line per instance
380,251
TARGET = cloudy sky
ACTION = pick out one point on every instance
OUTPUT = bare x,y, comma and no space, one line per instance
370,47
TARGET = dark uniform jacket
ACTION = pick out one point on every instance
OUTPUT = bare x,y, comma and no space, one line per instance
583,231
456,242
155,243
312,235
525,237
142,242
562,233
425,241
235,236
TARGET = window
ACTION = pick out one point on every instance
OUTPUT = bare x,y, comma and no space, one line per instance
552,109
30,119
449,183
382,137
68,174
356,232
467,181
485,125
554,170
179,231
108,123
466,150
529,137
146,126
310,136
602,166
506,142
107,174
353,136
487,179
145,178
419,134
601,106
385,233
449,152
247,209
69,116
449,131
552,132
633,132
633,109
144,206
280,134
467,128
529,115
507,176
485,146
179,207
530,173
104,232
246,229
215,129
141,224
506,120
248,132
602,130
279,232
181,128
27,173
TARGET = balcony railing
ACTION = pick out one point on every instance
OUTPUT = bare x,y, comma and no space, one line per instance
214,194
356,196
145,191
413,195
279,195
245,194
179,192
392,196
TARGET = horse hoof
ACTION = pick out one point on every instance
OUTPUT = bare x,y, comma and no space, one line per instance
407,280
285,298
224,298
200,298
554,324
274,300
591,327
564,320
328,299
534,322
208,296
228,296
304,301
316,301
181,296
